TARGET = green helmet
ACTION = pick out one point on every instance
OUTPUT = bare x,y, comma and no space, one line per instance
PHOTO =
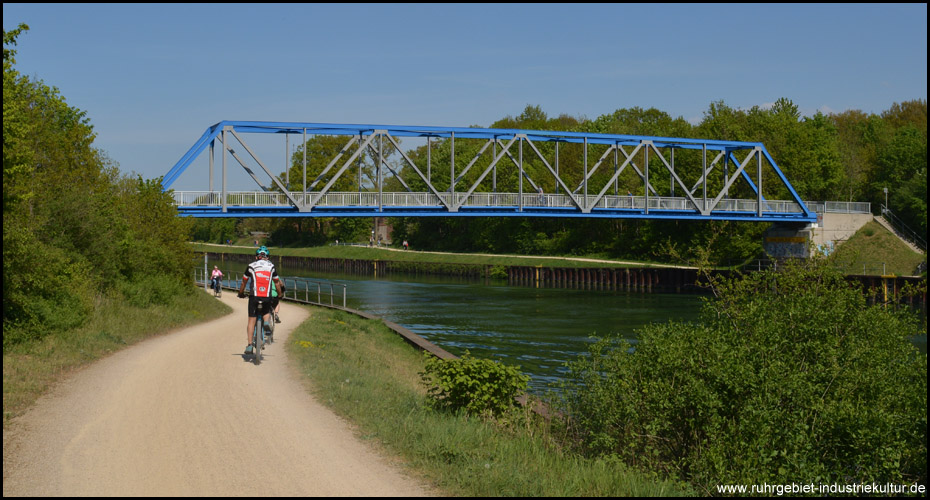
262,250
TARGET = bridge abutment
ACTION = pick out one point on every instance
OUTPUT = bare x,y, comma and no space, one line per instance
788,240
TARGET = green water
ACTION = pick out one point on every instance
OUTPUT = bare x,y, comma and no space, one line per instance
539,329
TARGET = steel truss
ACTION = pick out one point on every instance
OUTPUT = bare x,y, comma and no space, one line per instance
474,199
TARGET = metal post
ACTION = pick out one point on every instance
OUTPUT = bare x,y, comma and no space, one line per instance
672,177
224,169
212,152
586,173
305,165
616,166
429,174
205,271
726,172
704,174
494,174
521,177
759,159
557,167
380,180
452,170
646,178
287,162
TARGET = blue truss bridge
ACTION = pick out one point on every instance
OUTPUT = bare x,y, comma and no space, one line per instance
507,173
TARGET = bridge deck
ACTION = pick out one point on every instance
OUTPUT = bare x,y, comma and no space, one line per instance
407,204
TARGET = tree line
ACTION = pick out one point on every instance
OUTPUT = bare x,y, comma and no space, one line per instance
848,156
74,228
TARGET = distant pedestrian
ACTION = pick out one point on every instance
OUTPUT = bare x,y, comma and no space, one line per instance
406,246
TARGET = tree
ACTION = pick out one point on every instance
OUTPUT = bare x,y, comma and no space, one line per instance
856,151
73,228
903,169
789,377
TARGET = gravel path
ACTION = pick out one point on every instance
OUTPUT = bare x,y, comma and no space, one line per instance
185,414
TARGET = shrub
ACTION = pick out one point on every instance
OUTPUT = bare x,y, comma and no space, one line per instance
790,378
153,290
477,386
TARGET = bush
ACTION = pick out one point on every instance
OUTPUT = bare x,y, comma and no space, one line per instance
790,378
477,386
154,290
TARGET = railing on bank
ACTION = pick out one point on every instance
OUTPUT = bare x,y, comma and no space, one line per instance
903,230
873,268
297,289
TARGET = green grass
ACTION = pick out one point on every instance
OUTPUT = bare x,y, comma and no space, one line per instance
367,253
31,369
873,245
370,376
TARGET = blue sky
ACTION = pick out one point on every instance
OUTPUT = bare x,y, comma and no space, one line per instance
153,77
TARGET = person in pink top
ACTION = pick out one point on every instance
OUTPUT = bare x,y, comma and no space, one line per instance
215,278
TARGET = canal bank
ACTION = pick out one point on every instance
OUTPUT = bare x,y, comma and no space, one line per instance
619,276
630,277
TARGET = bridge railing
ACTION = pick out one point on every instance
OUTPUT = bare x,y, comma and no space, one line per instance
483,199
839,207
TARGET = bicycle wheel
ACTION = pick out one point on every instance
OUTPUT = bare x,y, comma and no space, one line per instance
257,343
271,326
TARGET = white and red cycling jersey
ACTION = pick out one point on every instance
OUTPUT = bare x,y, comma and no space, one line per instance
261,273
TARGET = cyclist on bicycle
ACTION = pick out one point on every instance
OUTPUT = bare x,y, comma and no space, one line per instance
216,277
261,274
277,291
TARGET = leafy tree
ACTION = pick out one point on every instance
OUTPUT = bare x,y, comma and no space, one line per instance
73,228
903,170
857,152
790,377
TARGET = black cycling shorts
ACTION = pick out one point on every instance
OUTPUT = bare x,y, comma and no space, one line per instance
257,304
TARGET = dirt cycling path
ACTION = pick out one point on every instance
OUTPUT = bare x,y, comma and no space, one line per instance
185,414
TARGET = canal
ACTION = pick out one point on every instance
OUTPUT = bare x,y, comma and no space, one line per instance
539,329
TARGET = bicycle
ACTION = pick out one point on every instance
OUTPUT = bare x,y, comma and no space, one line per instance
217,289
258,337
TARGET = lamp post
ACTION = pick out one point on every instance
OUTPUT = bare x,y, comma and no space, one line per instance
886,200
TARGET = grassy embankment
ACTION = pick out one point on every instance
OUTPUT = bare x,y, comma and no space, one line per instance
369,375
872,246
31,369
385,254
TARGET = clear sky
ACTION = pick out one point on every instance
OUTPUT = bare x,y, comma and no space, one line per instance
153,77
